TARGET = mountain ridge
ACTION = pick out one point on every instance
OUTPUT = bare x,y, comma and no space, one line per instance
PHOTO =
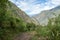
19,12
45,15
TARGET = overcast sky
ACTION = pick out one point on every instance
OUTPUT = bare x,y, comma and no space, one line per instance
32,7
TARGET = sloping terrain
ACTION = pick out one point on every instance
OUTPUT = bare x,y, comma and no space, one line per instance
18,12
43,17
13,20
25,36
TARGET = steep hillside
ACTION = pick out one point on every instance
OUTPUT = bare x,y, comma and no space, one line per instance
43,17
13,21
15,10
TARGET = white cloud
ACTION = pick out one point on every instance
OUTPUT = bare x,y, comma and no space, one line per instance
24,5
35,9
56,2
30,1
30,6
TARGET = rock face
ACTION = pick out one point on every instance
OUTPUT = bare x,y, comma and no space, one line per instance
43,17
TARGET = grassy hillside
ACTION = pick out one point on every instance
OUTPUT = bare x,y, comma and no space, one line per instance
48,32
12,21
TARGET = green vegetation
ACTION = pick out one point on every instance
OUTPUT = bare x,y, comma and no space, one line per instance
11,24
49,32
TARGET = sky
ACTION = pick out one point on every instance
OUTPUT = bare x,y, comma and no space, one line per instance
32,7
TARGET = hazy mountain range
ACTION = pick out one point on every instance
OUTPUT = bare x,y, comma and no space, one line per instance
43,17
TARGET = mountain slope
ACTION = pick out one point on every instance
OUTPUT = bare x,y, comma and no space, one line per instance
13,20
18,12
43,17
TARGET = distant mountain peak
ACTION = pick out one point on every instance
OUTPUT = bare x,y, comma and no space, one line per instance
55,8
58,6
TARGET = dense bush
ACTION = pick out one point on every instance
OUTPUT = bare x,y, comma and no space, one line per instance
55,29
50,32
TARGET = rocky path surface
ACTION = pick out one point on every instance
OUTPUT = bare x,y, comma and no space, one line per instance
24,36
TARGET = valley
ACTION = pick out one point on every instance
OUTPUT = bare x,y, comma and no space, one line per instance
15,24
